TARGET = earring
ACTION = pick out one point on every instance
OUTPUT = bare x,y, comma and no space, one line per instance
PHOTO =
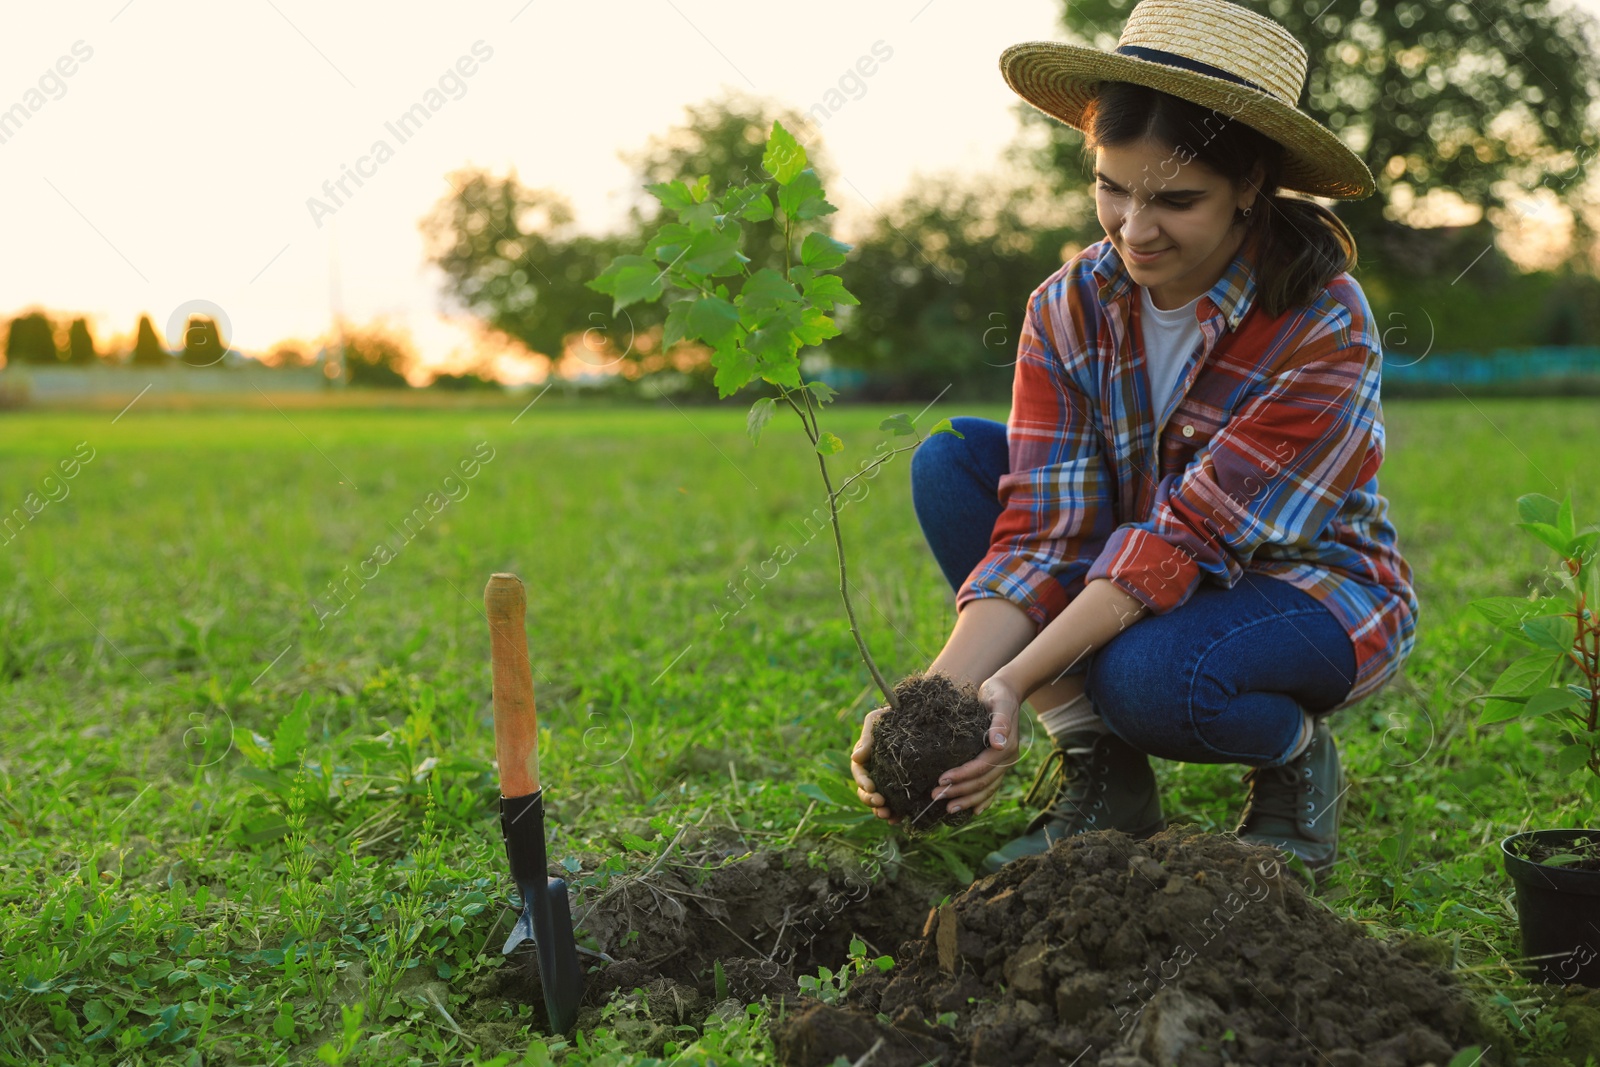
1247,212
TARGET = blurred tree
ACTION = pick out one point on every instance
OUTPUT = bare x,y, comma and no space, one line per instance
375,357
203,345
463,382
148,351
32,339
943,278
288,355
80,345
1476,100
512,256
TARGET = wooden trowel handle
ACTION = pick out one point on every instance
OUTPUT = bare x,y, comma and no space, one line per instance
516,722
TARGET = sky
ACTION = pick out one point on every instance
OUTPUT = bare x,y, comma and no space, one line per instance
175,152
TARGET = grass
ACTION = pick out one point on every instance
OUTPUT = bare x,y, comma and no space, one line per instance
246,801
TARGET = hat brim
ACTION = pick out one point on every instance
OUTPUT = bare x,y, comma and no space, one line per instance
1061,79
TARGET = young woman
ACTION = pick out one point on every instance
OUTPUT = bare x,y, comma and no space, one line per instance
1176,546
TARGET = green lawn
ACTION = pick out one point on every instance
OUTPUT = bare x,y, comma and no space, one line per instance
207,608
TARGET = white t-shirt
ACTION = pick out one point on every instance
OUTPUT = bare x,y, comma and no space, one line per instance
1168,338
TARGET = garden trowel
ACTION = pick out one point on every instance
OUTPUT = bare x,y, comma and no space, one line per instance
546,918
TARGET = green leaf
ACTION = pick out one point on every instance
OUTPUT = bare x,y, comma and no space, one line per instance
700,217
813,791
943,426
1508,613
629,280
701,188
803,198
767,289
1536,507
829,443
1564,517
760,414
667,243
1553,632
719,981
781,372
816,327
1527,675
1548,534
674,195
899,424
821,392
749,202
289,739
735,367
1572,758
821,252
1550,700
713,320
783,158
775,343
245,742
1564,859
677,327
1500,710
715,252
828,289
283,1025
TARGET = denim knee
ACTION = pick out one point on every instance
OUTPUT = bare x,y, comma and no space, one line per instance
938,458
932,461
1141,703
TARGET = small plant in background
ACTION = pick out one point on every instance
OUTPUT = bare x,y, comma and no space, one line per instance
1560,677
303,895
757,332
828,986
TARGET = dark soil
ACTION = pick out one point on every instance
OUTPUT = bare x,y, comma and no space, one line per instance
939,725
766,917
1581,853
1185,949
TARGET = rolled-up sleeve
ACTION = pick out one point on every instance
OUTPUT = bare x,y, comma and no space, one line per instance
1056,498
1275,474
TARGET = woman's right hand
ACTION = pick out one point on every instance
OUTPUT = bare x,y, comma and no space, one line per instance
858,769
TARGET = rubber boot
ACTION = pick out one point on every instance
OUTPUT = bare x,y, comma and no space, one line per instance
1103,783
1296,807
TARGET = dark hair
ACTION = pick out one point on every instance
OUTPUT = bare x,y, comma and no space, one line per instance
1300,245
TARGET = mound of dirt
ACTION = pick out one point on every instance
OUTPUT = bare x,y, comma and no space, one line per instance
1185,949
939,725
764,917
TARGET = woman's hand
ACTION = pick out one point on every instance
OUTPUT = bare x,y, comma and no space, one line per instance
974,784
858,769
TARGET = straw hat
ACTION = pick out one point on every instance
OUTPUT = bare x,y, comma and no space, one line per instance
1214,53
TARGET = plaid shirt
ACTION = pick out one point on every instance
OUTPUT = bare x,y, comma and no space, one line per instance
1265,458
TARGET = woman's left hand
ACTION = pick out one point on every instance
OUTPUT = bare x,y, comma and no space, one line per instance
973,785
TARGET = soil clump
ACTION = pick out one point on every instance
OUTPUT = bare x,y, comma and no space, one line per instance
939,724
1185,949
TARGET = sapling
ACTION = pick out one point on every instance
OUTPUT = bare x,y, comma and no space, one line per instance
1560,677
757,333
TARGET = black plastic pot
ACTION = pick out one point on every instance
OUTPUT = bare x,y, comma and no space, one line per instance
1559,908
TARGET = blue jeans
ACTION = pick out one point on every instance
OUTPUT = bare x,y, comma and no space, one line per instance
1222,678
